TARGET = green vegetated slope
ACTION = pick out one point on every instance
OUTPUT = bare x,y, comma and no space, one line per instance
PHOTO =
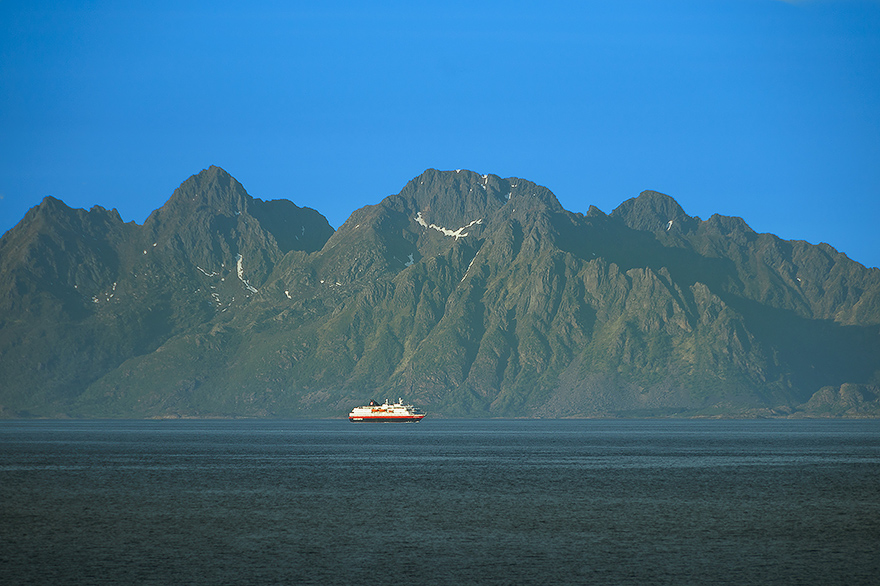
469,295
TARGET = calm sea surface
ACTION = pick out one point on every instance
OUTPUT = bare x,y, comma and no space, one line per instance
441,502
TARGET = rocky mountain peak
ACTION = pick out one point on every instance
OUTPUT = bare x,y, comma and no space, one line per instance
455,198
654,211
211,222
212,191
214,200
460,197
49,210
53,217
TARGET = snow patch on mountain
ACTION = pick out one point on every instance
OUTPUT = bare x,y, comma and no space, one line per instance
460,233
468,269
240,269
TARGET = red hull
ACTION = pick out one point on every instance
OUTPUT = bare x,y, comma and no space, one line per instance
402,419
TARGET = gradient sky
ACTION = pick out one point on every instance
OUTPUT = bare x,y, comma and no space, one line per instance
763,109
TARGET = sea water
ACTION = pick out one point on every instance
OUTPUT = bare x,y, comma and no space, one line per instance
440,502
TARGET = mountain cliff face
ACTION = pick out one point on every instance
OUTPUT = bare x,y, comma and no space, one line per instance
470,295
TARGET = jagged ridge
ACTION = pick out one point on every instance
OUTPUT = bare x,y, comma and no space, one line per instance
470,294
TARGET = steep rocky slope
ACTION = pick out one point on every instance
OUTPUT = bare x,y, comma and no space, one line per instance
468,294
81,292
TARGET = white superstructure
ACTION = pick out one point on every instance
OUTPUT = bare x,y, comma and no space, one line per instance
387,412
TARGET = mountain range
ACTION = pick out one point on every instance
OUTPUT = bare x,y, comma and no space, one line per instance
468,295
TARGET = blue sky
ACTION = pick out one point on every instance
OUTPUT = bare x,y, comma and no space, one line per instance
764,109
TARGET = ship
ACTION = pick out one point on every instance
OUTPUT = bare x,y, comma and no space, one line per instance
387,413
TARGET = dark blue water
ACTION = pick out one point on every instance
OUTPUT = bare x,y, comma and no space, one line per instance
442,502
